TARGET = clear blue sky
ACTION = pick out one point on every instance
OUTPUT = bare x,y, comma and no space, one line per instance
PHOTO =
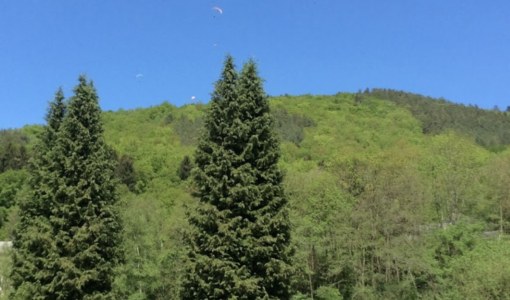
457,49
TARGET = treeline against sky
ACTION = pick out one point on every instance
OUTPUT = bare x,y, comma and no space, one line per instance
489,128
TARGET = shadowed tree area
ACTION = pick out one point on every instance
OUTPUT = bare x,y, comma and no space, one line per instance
290,126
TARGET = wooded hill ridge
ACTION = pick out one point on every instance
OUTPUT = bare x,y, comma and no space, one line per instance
365,173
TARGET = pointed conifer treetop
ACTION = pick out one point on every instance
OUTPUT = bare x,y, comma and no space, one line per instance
239,245
44,157
225,93
56,112
31,273
270,231
86,227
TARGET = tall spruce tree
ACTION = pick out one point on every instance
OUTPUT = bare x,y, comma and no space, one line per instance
83,224
240,237
86,226
30,274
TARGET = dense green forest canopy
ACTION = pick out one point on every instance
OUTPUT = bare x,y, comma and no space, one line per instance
393,195
489,128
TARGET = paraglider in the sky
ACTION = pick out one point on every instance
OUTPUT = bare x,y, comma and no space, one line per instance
139,75
218,9
192,98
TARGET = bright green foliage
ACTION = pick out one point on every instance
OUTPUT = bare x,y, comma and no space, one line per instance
368,195
188,130
483,273
496,207
239,245
153,251
31,274
454,164
328,293
156,149
318,213
455,240
488,127
10,183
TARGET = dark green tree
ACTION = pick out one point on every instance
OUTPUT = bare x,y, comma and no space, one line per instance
31,273
290,127
84,226
239,244
125,171
185,168
358,98
13,157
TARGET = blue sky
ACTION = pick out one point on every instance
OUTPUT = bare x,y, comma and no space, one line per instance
456,49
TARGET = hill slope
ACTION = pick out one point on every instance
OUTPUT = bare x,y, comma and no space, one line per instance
367,189
488,128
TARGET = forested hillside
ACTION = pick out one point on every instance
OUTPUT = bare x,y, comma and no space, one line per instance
397,199
488,128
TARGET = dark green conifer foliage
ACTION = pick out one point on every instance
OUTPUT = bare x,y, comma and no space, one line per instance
185,168
358,98
13,157
239,245
31,274
125,171
78,195
85,224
